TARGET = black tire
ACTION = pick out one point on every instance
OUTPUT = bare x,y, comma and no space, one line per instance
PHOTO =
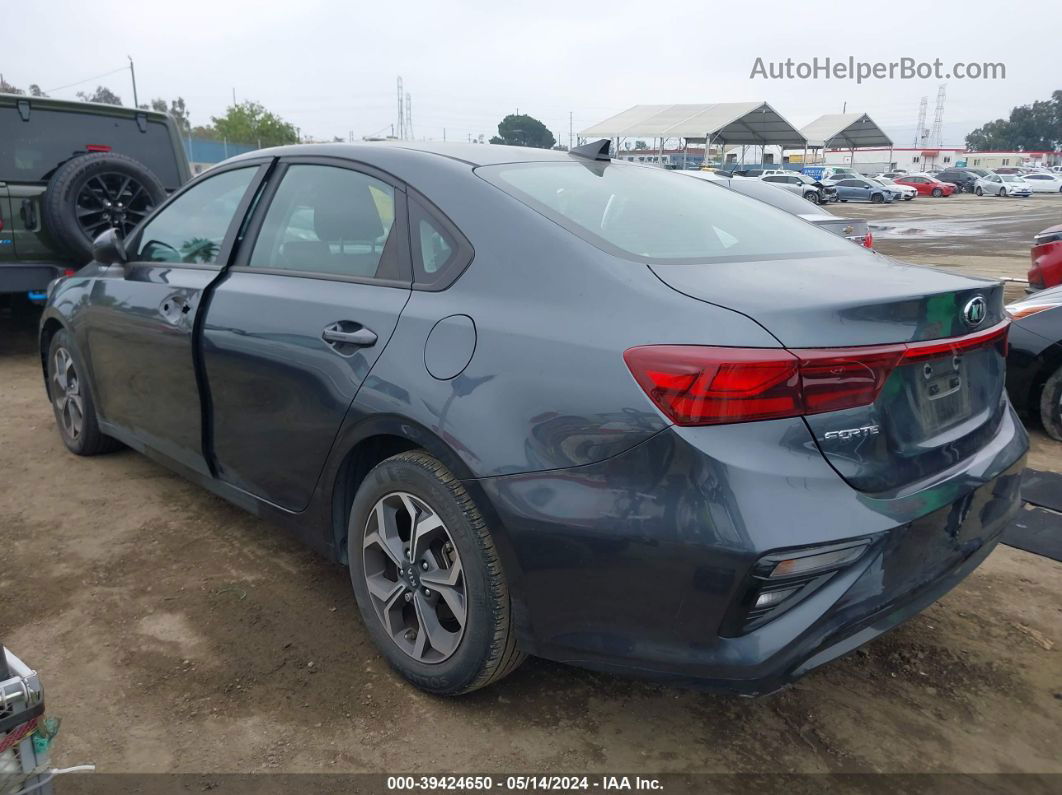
89,182
86,438
877,198
1002,192
979,191
937,193
1051,405
486,651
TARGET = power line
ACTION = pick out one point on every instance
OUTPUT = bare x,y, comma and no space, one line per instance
88,79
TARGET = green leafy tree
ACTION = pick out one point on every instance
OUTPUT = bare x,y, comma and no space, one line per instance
250,123
640,145
523,130
1030,128
102,94
35,91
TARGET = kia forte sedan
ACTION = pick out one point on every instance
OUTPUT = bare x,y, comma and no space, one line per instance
544,403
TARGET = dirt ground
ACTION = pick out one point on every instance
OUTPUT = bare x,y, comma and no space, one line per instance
176,633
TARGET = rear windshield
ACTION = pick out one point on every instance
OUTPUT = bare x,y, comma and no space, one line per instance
657,216
31,150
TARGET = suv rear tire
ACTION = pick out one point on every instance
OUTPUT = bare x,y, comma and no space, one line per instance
93,192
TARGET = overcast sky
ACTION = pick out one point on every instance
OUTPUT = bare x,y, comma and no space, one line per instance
329,67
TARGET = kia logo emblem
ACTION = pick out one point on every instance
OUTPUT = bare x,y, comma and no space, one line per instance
974,311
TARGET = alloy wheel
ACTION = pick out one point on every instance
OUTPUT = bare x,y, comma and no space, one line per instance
111,201
414,577
66,391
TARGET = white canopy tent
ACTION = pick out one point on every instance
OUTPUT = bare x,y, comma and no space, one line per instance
849,131
723,124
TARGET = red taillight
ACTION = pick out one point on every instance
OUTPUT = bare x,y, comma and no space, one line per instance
696,385
868,239
97,148
69,272
701,385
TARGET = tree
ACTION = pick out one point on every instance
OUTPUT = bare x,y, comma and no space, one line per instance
640,145
177,110
35,91
7,88
250,123
102,94
1035,127
523,130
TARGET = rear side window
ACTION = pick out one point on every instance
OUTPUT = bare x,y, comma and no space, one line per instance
440,251
329,220
192,228
655,216
31,150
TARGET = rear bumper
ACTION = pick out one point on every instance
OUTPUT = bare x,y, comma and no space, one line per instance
634,564
23,277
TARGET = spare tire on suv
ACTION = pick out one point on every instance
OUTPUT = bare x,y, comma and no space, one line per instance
95,192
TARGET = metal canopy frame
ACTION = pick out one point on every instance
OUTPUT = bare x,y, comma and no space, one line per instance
724,124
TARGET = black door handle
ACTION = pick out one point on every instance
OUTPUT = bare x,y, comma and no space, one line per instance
360,336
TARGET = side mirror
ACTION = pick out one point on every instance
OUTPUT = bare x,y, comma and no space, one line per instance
108,249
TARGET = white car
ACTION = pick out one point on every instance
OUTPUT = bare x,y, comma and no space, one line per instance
906,192
795,182
1002,185
1044,182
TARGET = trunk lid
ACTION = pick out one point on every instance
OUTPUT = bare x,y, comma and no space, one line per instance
937,407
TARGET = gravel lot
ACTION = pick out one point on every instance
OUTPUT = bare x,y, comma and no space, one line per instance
175,633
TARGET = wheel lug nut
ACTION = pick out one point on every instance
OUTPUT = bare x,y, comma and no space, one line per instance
424,565
409,596
410,634
427,592
448,548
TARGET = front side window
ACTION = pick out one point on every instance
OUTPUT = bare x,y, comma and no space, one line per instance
329,220
192,228
650,215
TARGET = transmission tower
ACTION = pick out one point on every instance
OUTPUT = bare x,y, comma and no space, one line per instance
409,118
937,136
920,128
400,128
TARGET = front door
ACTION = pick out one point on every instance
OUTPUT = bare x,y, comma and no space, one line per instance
295,325
141,318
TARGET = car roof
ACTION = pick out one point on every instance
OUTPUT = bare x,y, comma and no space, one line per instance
471,154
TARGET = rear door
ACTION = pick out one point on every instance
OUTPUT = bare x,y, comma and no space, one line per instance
296,324
140,322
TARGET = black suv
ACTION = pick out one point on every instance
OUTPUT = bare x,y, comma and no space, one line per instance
962,178
70,170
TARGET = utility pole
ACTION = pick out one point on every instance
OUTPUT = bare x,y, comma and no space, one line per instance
409,117
569,130
234,96
401,111
132,73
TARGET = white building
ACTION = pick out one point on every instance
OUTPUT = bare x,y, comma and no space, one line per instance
904,158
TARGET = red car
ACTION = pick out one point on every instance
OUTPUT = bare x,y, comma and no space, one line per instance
927,185
1046,270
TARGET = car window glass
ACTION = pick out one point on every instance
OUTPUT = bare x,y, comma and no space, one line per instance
31,150
326,219
192,228
658,215
435,248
